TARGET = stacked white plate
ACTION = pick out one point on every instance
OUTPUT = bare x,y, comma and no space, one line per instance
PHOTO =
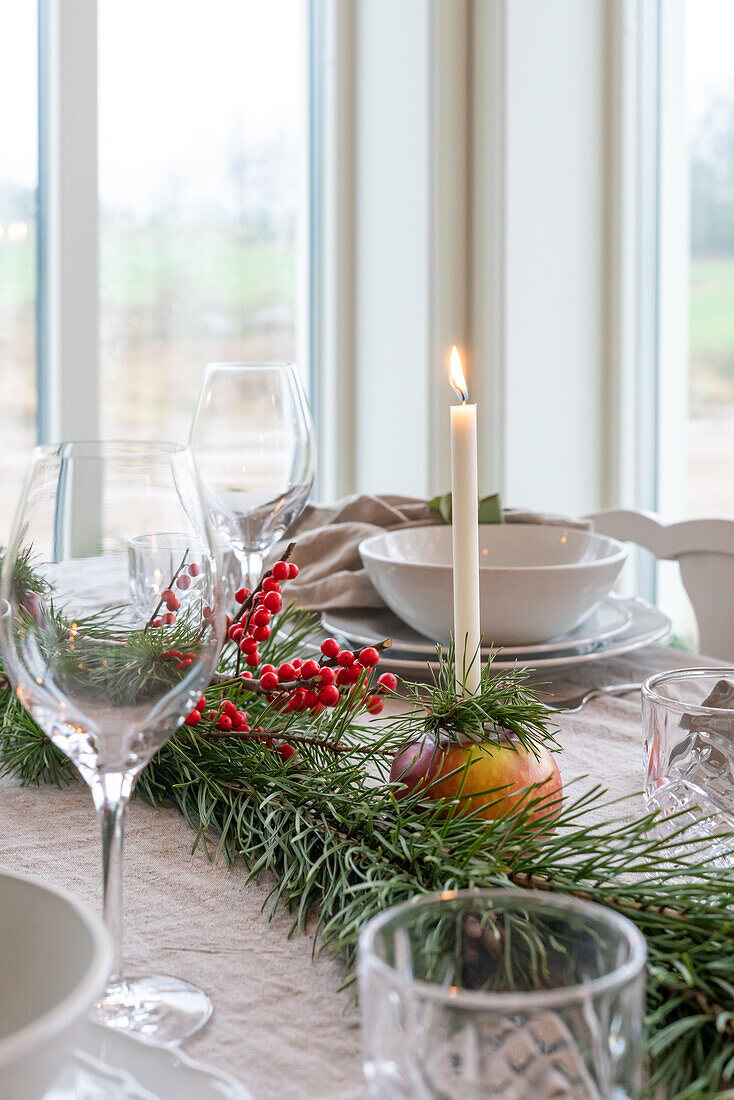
618,625
109,1065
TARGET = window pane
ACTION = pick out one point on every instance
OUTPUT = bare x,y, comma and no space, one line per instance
202,124
710,94
18,186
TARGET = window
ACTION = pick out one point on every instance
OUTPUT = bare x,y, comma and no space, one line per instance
201,130
710,110
18,235
202,185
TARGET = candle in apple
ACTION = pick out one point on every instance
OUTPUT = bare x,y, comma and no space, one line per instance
465,532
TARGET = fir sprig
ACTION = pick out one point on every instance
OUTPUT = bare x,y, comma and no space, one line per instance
342,847
502,705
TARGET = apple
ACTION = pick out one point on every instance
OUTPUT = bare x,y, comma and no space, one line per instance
480,769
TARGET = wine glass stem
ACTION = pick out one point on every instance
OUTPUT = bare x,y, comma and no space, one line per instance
111,793
252,568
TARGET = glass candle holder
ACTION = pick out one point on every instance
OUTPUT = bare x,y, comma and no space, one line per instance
688,727
508,993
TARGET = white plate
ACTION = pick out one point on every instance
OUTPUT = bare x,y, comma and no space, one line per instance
610,618
109,1065
647,625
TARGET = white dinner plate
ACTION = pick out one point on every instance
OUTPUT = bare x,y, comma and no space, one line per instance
610,618
109,1065
646,625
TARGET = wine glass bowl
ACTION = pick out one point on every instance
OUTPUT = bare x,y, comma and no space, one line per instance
253,442
104,675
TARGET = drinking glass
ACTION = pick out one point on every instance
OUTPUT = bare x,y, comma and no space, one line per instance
510,993
105,684
253,442
153,559
688,733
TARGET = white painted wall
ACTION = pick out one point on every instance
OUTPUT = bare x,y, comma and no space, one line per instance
554,253
392,246
522,231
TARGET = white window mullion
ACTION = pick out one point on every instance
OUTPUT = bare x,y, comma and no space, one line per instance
68,244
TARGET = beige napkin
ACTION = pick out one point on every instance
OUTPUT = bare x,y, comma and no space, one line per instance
328,537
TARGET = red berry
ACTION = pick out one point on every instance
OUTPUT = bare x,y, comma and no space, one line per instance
261,633
157,622
373,704
242,594
296,662
269,681
172,653
248,644
286,673
292,571
270,585
168,594
329,695
253,659
201,705
193,719
273,602
207,612
326,675
235,632
230,709
330,648
310,699
224,723
369,657
296,700
261,617
345,658
309,669
183,582
267,668
194,569
169,619
173,604
281,571
388,682
240,724
246,675
286,751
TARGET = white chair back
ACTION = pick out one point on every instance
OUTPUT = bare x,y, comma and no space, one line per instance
704,550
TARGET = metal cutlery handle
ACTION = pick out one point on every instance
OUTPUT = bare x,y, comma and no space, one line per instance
578,702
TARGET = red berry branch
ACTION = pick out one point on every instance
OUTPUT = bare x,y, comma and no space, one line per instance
298,685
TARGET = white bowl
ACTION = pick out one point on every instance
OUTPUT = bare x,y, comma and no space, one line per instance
535,581
55,956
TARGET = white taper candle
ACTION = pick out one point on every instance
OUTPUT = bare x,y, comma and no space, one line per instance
465,533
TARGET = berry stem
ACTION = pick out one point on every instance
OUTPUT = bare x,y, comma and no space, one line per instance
291,738
170,584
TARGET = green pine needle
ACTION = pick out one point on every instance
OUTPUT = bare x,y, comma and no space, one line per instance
342,847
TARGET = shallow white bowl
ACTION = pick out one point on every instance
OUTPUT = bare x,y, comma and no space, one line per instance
535,581
55,956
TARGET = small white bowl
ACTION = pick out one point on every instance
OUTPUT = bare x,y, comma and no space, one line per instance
55,956
535,581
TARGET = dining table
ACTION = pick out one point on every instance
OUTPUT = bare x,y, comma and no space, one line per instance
285,1021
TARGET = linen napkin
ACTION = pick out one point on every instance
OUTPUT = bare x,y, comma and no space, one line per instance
331,573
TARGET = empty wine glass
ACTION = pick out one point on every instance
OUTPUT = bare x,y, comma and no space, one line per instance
253,442
106,671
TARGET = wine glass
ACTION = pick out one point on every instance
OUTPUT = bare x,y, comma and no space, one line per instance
253,441
107,674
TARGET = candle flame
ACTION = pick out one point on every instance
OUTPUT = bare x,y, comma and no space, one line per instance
458,381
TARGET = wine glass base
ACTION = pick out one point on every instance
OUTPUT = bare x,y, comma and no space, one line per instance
159,1007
